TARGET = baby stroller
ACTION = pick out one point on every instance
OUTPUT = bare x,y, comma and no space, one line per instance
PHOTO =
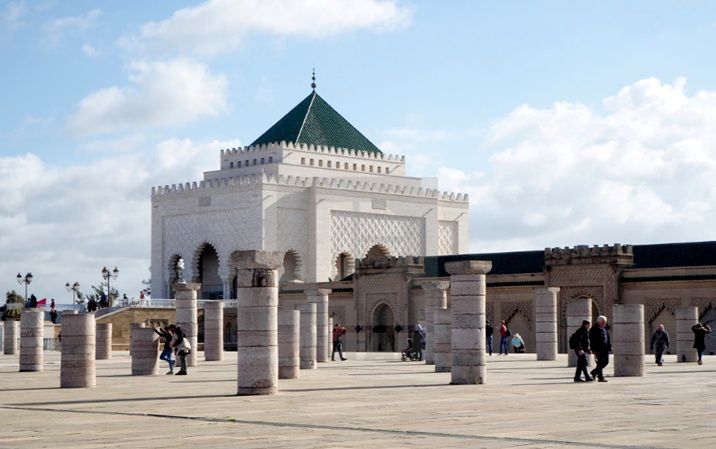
409,353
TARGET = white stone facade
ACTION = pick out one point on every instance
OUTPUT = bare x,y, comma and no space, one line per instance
323,206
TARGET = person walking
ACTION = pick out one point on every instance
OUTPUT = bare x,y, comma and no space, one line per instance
181,346
488,332
166,354
579,343
659,344
504,333
418,338
338,333
700,331
601,345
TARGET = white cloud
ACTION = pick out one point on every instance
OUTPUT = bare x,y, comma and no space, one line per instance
64,223
640,169
58,27
163,93
221,25
13,14
89,50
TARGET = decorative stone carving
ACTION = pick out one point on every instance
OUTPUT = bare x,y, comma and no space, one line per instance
447,237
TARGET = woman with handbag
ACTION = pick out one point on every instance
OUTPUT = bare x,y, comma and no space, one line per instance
181,346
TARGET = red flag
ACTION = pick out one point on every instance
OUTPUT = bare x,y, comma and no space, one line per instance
42,303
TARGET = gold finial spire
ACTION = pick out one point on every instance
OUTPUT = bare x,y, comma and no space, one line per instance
313,80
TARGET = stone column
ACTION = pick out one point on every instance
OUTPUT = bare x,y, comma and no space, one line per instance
257,321
686,317
435,299
577,311
10,337
628,340
103,341
213,331
308,335
289,347
468,292
77,363
145,350
545,313
2,334
31,332
319,297
186,315
442,346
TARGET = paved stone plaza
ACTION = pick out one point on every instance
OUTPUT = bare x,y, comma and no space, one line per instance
372,400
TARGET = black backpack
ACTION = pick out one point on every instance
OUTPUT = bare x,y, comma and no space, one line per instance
574,341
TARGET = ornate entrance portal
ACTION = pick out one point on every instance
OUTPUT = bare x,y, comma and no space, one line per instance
383,337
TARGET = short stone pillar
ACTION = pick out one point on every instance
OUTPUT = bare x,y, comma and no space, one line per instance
77,363
545,313
144,344
257,321
103,341
308,335
213,331
442,346
578,310
12,330
468,303
686,318
186,315
319,297
289,345
435,299
627,337
32,327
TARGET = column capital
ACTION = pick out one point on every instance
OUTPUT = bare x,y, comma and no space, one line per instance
317,291
186,286
253,259
469,267
547,290
435,285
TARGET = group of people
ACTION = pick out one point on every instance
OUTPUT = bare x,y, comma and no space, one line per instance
596,340
174,343
518,343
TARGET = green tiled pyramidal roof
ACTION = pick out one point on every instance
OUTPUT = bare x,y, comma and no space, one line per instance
313,121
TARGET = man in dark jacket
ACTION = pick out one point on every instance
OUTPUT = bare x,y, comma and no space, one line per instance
659,344
488,332
582,337
700,331
601,345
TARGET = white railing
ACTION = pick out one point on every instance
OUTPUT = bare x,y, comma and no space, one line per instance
166,303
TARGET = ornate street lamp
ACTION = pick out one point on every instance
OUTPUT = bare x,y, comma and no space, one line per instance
75,289
27,279
107,275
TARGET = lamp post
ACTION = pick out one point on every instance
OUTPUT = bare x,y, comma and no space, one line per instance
107,275
75,289
27,279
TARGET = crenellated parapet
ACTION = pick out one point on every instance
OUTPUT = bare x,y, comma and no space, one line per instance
370,264
616,254
310,148
346,184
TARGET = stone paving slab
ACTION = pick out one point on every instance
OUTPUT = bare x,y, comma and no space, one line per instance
371,400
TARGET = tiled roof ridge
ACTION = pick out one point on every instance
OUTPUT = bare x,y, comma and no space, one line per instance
290,145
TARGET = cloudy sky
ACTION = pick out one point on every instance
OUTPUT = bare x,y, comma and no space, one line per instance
566,122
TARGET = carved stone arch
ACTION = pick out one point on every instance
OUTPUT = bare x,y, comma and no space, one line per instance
171,276
378,250
520,308
343,265
703,311
383,319
196,258
292,267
